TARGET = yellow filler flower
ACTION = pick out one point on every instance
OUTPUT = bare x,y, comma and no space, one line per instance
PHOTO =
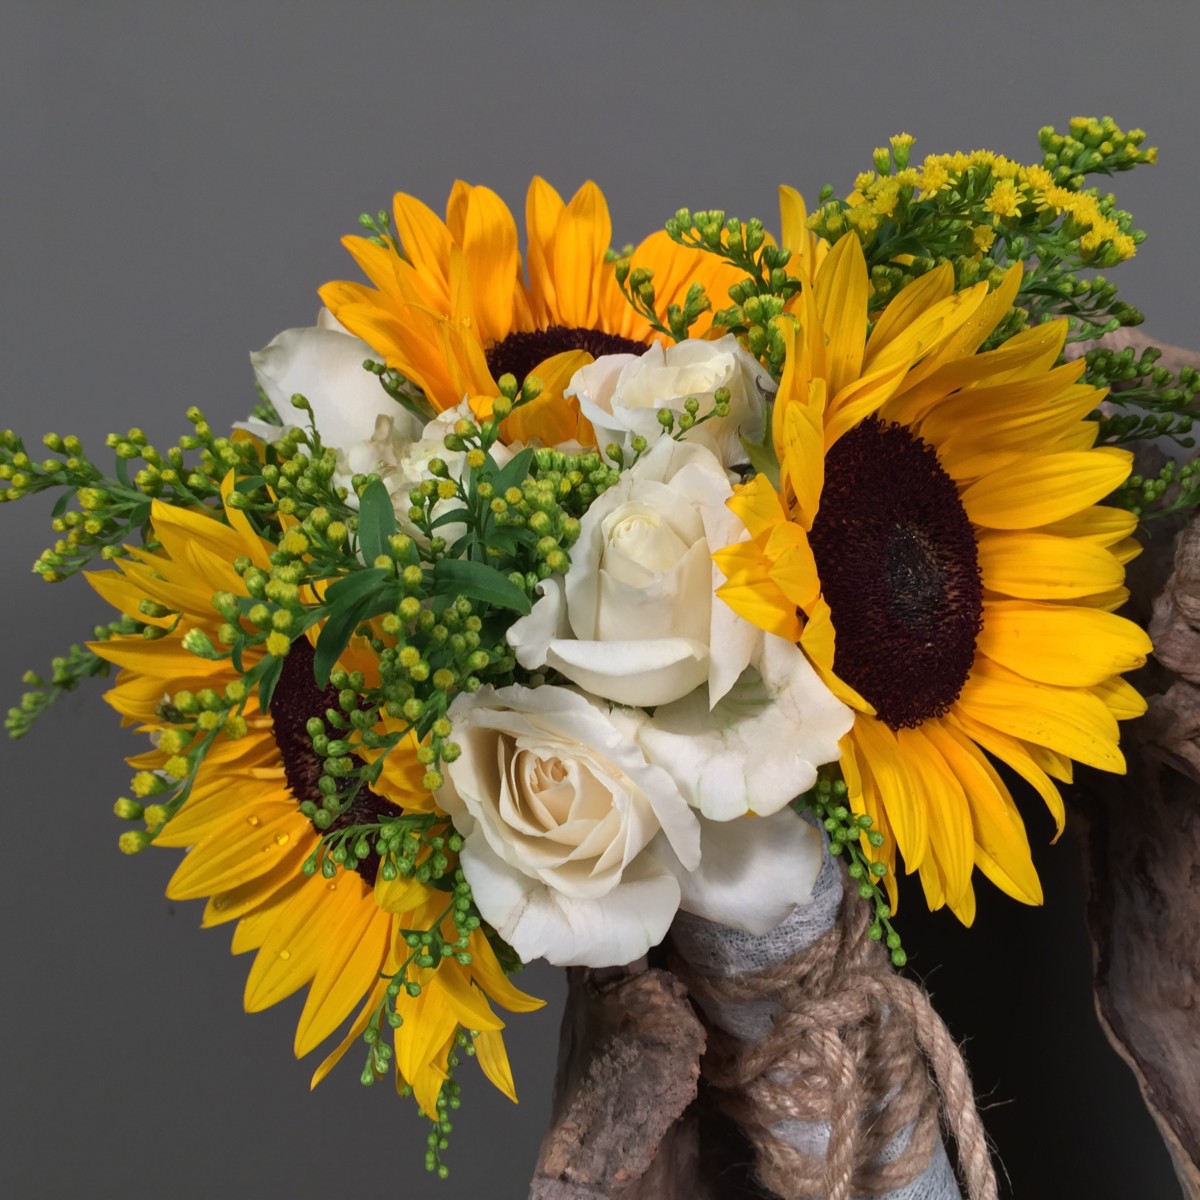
456,312
340,937
934,544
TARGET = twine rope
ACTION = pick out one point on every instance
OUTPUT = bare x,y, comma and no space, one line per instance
855,1048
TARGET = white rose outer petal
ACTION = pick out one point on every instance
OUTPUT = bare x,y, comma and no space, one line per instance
760,747
541,923
326,367
753,871
621,394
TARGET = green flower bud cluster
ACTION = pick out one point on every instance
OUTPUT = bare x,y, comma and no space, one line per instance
851,834
378,228
299,471
427,950
195,720
114,510
637,286
67,672
1176,488
760,298
1145,400
406,393
678,422
449,1098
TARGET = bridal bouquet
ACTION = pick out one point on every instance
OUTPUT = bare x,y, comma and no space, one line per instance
549,593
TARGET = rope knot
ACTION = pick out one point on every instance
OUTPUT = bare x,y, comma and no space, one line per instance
825,1061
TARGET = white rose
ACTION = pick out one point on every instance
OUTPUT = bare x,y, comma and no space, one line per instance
368,430
565,826
635,618
760,746
355,417
620,394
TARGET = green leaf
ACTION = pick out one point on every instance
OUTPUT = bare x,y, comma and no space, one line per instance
345,618
514,472
509,537
460,515
351,587
267,682
376,520
762,456
479,582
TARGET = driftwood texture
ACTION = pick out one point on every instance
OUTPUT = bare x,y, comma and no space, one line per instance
1142,861
629,1065
627,1124
1142,840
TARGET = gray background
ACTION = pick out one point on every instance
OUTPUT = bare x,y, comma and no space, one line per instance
175,180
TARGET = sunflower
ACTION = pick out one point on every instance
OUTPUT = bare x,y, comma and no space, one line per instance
340,937
935,544
455,312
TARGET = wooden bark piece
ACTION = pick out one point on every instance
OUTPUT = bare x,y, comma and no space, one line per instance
1143,866
629,1065
1142,842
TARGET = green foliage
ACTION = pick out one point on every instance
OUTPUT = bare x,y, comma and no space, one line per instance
67,672
847,831
1146,401
760,298
981,213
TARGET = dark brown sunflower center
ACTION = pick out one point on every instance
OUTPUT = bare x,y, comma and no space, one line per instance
900,571
519,353
296,701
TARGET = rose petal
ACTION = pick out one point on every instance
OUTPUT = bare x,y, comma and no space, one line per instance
326,367
753,871
531,635
760,747
642,673
539,923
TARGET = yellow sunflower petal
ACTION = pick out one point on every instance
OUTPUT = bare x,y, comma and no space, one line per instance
493,1060
543,208
841,291
1044,489
899,792
1061,643
489,243
349,966
1001,844
1071,721
1124,701
467,1002
235,854
1015,754
356,1030
428,1023
292,951
951,842
488,973
426,242
583,237
1041,566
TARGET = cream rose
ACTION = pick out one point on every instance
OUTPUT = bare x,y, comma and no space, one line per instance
635,618
369,431
621,393
565,826
355,417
